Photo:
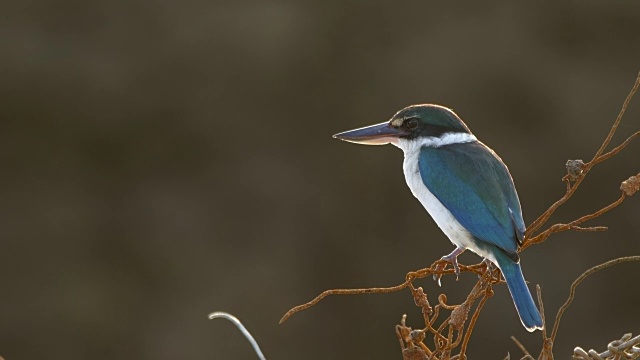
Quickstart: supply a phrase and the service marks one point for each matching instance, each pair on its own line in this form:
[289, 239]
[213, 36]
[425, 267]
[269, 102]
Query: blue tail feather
[529, 314]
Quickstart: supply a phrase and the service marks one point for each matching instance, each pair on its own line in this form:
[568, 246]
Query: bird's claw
[488, 264]
[442, 264]
[437, 275]
[456, 268]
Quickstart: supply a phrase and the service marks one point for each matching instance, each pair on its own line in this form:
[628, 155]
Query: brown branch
[521, 347]
[588, 229]
[575, 284]
[616, 150]
[454, 323]
[541, 304]
[547, 344]
[574, 224]
[399, 333]
[472, 324]
[326, 293]
[434, 269]
[598, 157]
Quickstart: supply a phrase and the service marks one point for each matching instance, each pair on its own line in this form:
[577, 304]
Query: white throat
[409, 146]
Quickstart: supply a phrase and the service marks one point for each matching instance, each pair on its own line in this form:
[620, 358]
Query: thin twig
[547, 344]
[482, 288]
[575, 284]
[410, 277]
[542, 219]
[243, 330]
[625, 348]
[472, 324]
[574, 224]
[617, 149]
[520, 346]
[326, 293]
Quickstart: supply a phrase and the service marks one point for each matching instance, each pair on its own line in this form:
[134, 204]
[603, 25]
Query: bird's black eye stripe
[411, 123]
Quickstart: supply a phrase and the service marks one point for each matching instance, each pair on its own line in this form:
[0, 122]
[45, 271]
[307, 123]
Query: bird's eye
[411, 124]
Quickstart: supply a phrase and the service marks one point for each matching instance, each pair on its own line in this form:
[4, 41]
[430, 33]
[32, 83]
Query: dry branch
[625, 348]
[577, 282]
[234, 320]
[598, 158]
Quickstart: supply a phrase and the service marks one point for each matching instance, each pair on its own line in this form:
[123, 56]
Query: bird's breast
[458, 235]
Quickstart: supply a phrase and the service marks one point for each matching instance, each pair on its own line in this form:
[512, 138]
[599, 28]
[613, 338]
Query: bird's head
[412, 124]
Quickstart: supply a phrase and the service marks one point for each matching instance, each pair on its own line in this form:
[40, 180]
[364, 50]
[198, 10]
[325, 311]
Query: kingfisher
[465, 187]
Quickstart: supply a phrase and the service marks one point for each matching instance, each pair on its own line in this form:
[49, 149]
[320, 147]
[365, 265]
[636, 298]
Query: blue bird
[464, 186]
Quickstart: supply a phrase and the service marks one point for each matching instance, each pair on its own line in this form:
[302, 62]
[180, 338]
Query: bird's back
[469, 192]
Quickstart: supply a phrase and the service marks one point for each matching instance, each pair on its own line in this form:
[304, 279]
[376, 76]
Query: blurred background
[165, 159]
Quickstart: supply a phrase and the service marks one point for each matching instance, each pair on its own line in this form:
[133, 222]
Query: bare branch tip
[234, 320]
[581, 278]
[520, 346]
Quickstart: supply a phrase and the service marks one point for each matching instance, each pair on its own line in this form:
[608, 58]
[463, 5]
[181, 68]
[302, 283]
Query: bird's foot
[442, 264]
[490, 267]
[437, 271]
[488, 264]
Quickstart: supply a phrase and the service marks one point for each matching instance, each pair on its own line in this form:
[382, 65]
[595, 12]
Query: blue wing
[473, 183]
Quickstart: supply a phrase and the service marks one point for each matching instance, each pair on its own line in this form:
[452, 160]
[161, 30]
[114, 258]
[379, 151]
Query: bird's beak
[379, 134]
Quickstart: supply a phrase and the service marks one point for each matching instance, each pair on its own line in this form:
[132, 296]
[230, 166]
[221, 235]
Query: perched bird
[465, 187]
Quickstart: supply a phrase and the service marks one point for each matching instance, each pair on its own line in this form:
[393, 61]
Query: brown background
[164, 159]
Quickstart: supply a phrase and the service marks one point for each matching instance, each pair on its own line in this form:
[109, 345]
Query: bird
[465, 187]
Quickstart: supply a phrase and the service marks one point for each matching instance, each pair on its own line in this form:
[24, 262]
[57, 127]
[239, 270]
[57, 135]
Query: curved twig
[326, 293]
[243, 330]
[574, 224]
[597, 158]
[410, 277]
[575, 284]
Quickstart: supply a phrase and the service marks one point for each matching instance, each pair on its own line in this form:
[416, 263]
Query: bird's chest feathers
[443, 217]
